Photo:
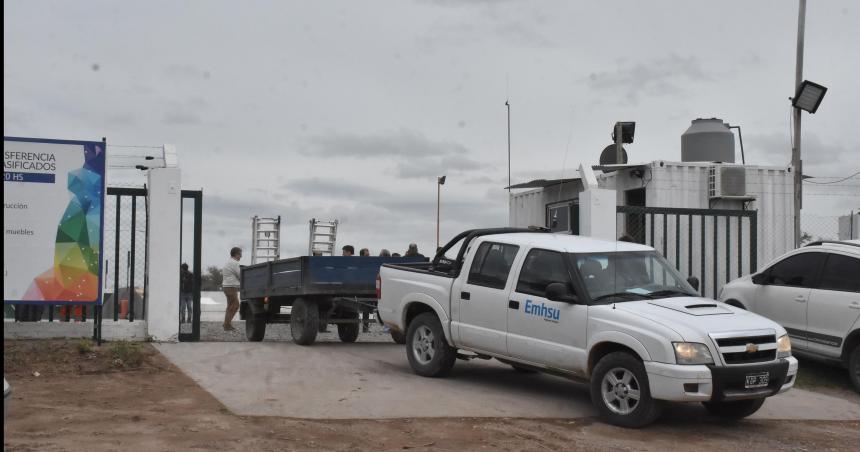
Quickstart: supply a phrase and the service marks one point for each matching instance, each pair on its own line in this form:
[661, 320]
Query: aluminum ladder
[265, 239]
[323, 238]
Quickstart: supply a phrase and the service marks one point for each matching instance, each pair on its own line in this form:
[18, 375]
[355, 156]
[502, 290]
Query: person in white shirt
[230, 285]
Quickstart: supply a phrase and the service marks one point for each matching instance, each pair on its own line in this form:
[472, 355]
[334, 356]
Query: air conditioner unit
[727, 181]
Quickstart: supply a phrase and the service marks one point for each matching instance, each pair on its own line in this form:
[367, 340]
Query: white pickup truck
[612, 313]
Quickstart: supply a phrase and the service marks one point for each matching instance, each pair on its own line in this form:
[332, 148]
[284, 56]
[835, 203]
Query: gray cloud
[332, 189]
[429, 168]
[400, 143]
[186, 71]
[663, 76]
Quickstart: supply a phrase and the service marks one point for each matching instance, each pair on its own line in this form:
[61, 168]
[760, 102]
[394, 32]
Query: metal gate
[195, 198]
[713, 245]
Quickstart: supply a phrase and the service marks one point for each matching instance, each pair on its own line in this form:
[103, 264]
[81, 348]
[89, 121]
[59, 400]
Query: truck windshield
[628, 276]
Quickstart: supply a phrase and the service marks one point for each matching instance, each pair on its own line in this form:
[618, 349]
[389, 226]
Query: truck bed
[335, 276]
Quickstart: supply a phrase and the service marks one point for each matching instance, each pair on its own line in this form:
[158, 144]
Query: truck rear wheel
[736, 409]
[255, 326]
[304, 321]
[620, 391]
[426, 348]
[348, 332]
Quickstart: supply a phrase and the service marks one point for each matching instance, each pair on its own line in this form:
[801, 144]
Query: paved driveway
[331, 380]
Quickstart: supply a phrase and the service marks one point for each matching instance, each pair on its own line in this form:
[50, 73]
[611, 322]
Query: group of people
[412, 251]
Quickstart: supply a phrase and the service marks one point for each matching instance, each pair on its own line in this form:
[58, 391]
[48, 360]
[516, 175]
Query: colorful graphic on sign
[53, 197]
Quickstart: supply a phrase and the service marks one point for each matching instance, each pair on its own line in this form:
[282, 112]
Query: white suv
[814, 292]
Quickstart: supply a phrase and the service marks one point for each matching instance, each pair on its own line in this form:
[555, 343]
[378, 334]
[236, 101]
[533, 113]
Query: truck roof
[566, 242]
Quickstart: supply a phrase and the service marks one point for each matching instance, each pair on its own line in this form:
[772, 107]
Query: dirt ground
[102, 400]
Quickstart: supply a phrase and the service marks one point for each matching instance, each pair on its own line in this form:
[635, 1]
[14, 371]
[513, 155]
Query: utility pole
[796, 161]
[508, 105]
[619, 152]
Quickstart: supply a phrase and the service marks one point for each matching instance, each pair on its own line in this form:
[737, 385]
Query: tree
[211, 280]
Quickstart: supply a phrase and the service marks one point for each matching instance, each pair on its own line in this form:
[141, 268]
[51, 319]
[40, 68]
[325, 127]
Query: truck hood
[694, 318]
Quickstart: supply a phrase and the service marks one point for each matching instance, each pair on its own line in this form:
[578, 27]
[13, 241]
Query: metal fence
[713, 245]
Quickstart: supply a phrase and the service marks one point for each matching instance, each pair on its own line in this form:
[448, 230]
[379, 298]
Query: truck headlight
[692, 353]
[783, 347]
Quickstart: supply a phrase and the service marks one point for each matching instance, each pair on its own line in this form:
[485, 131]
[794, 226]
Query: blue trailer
[320, 290]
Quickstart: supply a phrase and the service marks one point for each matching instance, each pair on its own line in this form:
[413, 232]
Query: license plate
[760, 380]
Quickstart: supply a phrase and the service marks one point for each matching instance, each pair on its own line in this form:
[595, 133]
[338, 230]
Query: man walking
[186, 287]
[230, 285]
[347, 250]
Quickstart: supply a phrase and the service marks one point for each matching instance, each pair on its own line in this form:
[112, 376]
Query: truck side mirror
[693, 281]
[559, 292]
[759, 278]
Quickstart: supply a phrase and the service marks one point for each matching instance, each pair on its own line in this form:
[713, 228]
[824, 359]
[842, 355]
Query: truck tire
[304, 321]
[255, 326]
[736, 409]
[620, 391]
[426, 348]
[854, 367]
[348, 332]
[398, 337]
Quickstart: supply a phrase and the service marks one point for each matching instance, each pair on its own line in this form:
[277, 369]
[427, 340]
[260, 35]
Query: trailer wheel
[304, 321]
[348, 332]
[255, 326]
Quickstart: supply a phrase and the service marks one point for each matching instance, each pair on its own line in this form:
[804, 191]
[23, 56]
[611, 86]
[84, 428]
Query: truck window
[492, 264]
[541, 268]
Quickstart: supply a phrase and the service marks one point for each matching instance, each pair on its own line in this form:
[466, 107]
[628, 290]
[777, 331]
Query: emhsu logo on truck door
[542, 310]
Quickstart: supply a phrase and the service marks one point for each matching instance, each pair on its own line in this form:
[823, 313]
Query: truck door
[541, 331]
[482, 298]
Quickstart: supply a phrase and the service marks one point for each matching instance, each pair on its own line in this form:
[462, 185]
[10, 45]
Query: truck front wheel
[426, 348]
[304, 321]
[854, 367]
[620, 391]
[736, 409]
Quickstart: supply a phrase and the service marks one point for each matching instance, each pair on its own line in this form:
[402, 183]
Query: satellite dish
[607, 157]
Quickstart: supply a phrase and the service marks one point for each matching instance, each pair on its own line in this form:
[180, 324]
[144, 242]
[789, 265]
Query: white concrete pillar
[163, 253]
[597, 211]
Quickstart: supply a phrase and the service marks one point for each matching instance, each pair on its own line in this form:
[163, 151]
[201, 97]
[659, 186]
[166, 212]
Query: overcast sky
[350, 110]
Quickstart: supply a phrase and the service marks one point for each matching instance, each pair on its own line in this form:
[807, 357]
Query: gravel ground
[280, 332]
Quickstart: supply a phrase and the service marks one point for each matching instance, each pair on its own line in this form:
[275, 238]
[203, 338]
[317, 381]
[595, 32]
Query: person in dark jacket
[186, 289]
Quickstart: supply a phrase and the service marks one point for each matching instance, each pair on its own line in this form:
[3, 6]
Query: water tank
[708, 140]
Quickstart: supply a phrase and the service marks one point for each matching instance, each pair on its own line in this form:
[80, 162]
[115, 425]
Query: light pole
[508, 106]
[440, 181]
[807, 96]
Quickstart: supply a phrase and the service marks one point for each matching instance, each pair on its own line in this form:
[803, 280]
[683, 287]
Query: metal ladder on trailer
[323, 238]
[266, 239]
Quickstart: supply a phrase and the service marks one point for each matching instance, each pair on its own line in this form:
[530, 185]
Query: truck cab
[614, 314]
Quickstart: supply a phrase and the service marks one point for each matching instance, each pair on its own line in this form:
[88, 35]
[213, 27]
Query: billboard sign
[53, 220]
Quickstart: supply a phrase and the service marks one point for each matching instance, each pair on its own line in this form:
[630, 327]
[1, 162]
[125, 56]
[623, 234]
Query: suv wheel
[854, 367]
[426, 348]
[620, 391]
[737, 409]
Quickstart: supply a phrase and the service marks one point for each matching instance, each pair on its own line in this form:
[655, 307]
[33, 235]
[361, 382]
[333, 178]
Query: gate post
[164, 199]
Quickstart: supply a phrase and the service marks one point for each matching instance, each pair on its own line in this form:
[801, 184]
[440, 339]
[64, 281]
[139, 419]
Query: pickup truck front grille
[747, 349]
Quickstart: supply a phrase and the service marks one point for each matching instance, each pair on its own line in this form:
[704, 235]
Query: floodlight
[627, 131]
[808, 96]
[441, 180]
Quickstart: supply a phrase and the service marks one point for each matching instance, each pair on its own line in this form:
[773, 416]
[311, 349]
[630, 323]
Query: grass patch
[85, 346]
[126, 354]
[812, 374]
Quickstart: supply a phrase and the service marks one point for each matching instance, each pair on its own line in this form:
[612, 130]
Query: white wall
[162, 311]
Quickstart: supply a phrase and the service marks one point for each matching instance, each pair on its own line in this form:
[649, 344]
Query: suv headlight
[692, 353]
[783, 347]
